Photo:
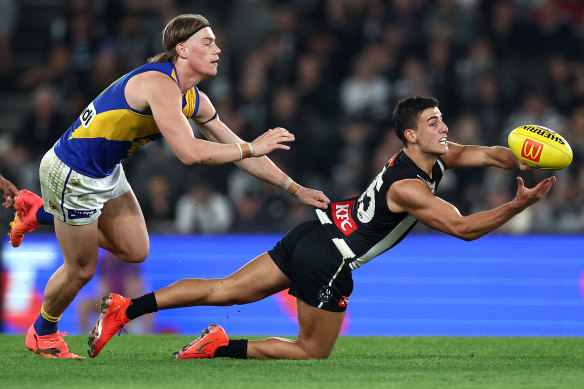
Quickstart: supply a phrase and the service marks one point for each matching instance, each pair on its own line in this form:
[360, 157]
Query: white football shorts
[74, 198]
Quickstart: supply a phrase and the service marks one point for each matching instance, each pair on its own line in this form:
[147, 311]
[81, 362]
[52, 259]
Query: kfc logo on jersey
[343, 301]
[341, 213]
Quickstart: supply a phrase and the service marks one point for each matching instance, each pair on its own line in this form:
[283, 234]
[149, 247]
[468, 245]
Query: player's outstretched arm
[414, 197]
[163, 97]
[9, 192]
[463, 156]
[262, 168]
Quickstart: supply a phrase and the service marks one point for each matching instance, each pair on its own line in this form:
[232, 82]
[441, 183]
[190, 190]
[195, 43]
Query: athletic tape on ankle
[48, 317]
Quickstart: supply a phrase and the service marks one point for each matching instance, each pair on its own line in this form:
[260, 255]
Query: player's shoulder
[162, 67]
[408, 187]
[153, 71]
[406, 193]
[400, 165]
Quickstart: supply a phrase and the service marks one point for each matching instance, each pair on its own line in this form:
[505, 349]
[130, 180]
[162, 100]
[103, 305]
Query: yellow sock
[46, 316]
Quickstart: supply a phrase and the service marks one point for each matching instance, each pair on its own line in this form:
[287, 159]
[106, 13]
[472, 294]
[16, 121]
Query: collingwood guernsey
[362, 228]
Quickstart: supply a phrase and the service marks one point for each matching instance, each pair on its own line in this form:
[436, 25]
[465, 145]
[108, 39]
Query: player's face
[203, 52]
[431, 132]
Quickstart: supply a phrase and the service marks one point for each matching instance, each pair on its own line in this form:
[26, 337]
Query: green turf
[142, 361]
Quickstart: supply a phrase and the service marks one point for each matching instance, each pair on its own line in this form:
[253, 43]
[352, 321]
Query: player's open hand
[271, 140]
[8, 191]
[312, 197]
[528, 196]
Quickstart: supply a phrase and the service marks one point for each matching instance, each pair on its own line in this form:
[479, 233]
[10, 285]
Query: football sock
[46, 324]
[141, 306]
[236, 348]
[44, 217]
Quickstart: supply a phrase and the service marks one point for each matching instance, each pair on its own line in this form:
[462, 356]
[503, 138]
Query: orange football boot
[205, 345]
[27, 205]
[112, 319]
[49, 346]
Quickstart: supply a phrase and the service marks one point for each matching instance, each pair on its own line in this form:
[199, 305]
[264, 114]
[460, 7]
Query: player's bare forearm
[502, 157]
[463, 156]
[443, 216]
[261, 167]
[474, 226]
[264, 169]
[414, 197]
[479, 224]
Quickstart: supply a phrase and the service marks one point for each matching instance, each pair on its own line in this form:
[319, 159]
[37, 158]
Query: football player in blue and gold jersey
[83, 183]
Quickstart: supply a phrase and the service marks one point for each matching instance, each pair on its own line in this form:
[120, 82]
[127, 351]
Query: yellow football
[540, 147]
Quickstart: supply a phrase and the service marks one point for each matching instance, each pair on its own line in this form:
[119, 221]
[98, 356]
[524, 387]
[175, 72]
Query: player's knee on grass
[320, 354]
[314, 350]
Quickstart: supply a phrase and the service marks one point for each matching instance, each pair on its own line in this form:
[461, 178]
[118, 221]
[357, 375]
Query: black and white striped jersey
[364, 227]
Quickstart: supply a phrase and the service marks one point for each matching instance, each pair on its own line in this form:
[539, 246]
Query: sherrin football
[540, 147]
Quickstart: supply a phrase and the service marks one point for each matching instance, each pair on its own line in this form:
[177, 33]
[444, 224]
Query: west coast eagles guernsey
[109, 130]
[362, 228]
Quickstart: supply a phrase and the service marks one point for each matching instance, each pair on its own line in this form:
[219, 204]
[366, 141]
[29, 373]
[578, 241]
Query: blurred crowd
[329, 71]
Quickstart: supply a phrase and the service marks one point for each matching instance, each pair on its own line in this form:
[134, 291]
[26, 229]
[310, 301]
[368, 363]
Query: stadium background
[330, 72]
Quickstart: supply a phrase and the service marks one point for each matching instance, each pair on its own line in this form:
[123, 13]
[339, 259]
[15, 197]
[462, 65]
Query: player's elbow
[464, 232]
[190, 158]
[468, 237]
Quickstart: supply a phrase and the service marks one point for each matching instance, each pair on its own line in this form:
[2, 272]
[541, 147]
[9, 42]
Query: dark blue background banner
[428, 285]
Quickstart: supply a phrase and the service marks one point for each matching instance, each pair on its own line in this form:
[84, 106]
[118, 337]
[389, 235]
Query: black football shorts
[307, 255]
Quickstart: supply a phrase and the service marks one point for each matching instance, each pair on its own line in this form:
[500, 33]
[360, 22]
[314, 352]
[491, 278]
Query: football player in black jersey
[315, 259]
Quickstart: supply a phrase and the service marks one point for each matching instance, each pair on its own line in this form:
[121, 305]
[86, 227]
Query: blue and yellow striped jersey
[109, 130]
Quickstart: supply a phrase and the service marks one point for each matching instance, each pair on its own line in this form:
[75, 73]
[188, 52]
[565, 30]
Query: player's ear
[410, 135]
[181, 50]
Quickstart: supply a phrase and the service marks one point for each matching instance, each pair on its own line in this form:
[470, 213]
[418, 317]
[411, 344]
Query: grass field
[142, 361]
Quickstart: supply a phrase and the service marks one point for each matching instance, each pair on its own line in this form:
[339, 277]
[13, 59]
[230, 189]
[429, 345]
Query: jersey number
[366, 203]
[87, 115]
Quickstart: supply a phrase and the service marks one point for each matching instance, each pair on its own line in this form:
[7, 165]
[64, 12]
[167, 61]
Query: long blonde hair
[176, 31]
